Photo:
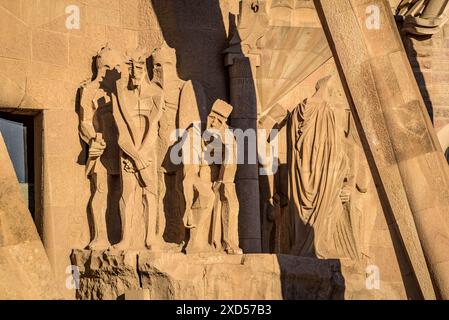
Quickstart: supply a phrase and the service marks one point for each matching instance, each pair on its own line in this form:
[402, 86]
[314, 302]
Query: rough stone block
[105, 275]
[25, 271]
[50, 47]
[15, 36]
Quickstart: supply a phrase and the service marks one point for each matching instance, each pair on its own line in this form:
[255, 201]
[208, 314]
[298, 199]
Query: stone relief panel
[321, 200]
[314, 205]
[128, 119]
[325, 203]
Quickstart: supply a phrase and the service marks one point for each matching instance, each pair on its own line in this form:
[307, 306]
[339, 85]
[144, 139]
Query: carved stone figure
[137, 109]
[226, 207]
[272, 51]
[185, 102]
[121, 111]
[423, 17]
[199, 204]
[98, 130]
[319, 170]
[212, 206]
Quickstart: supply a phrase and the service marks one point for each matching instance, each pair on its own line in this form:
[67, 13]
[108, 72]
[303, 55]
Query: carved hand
[142, 164]
[128, 166]
[139, 165]
[96, 148]
[217, 185]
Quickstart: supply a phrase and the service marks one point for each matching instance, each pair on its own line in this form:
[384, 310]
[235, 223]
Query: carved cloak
[318, 166]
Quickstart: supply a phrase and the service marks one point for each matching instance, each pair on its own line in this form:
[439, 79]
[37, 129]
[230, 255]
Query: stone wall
[429, 57]
[25, 272]
[43, 64]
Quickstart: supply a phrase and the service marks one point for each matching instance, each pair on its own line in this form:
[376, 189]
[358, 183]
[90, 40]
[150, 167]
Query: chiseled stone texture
[251, 276]
[174, 276]
[105, 275]
[43, 64]
[25, 271]
[206, 276]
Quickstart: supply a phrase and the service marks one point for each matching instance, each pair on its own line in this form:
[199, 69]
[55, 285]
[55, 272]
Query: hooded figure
[318, 169]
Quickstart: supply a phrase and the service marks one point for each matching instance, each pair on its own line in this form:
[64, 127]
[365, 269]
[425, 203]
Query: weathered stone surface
[50, 47]
[278, 53]
[387, 87]
[105, 275]
[15, 37]
[206, 276]
[257, 276]
[25, 271]
[157, 276]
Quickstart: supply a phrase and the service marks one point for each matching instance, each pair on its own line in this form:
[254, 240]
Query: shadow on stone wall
[195, 28]
[312, 279]
[413, 55]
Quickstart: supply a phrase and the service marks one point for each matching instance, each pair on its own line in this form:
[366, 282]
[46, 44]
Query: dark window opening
[18, 134]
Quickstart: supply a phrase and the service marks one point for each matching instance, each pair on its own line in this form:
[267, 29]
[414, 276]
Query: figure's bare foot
[121, 246]
[234, 251]
[153, 246]
[149, 245]
[99, 245]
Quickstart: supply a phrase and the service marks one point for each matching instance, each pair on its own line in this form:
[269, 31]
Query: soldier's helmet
[109, 58]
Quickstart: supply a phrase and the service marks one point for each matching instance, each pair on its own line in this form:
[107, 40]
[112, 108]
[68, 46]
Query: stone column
[243, 94]
[397, 131]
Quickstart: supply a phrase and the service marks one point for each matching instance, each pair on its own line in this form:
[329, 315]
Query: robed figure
[318, 169]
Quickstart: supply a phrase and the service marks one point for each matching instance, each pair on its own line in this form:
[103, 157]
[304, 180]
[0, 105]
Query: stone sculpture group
[120, 120]
[120, 112]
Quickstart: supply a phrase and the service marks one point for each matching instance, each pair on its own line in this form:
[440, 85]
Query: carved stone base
[146, 275]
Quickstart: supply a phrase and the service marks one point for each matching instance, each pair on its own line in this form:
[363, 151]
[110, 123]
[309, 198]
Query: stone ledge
[109, 275]
[210, 276]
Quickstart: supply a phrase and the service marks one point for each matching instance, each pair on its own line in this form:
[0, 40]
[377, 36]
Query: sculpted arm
[87, 110]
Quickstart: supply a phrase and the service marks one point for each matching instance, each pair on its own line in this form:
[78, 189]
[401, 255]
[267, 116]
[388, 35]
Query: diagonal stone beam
[399, 138]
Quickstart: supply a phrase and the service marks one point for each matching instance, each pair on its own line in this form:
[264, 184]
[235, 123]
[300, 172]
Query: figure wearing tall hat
[226, 208]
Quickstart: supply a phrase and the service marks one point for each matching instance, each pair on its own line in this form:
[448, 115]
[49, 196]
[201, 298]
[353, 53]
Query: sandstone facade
[335, 187]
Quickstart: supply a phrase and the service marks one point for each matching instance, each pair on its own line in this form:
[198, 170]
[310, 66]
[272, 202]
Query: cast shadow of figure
[199, 63]
[195, 29]
[408, 276]
[293, 240]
